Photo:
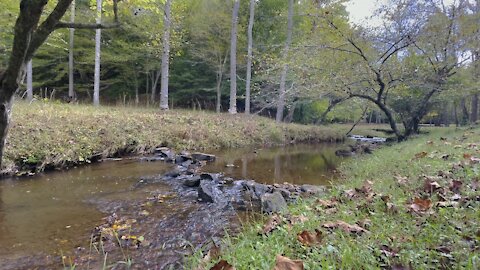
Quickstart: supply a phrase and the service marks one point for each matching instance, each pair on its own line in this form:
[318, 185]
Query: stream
[49, 216]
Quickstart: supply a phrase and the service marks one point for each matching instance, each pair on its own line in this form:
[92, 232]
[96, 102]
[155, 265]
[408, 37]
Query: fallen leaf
[297, 219]
[351, 193]
[467, 156]
[388, 251]
[421, 205]
[391, 208]
[272, 223]
[222, 265]
[366, 188]
[284, 263]
[401, 180]
[455, 186]
[310, 238]
[430, 185]
[420, 155]
[429, 142]
[327, 203]
[345, 227]
[474, 160]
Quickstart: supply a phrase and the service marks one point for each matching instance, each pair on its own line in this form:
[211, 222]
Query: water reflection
[298, 164]
[48, 213]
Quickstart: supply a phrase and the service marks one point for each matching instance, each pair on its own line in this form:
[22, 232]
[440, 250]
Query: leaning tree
[29, 34]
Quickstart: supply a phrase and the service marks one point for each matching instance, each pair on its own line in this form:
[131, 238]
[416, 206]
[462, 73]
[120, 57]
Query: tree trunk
[29, 81]
[98, 38]
[249, 56]
[71, 91]
[474, 112]
[154, 84]
[463, 107]
[283, 78]
[165, 56]
[233, 59]
[220, 71]
[137, 98]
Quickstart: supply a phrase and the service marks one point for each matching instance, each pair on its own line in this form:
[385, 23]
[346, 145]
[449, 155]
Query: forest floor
[47, 135]
[413, 205]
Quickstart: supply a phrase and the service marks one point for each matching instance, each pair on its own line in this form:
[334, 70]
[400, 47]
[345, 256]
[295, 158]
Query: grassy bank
[46, 135]
[414, 205]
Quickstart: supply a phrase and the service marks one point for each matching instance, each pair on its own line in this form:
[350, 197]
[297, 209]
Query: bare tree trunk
[165, 56]
[233, 59]
[474, 112]
[220, 71]
[463, 107]
[71, 91]
[98, 39]
[155, 78]
[283, 78]
[137, 98]
[249, 56]
[29, 81]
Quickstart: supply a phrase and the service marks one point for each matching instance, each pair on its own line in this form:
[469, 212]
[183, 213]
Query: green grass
[50, 135]
[438, 238]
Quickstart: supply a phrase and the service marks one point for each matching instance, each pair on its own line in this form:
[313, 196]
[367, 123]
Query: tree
[98, 40]
[29, 35]
[283, 78]
[165, 56]
[71, 90]
[233, 59]
[249, 56]
[29, 80]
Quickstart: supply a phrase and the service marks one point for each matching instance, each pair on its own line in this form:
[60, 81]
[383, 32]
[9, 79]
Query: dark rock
[210, 176]
[209, 192]
[187, 163]
[165, 152]
[203, 156]
[152, 159]
[179, 159]
[312, 189]
[285, 193]
[193, 181]
[173, 173]
[273, 203]
[261, 189]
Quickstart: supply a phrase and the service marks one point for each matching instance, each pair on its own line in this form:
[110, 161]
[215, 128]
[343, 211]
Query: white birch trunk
[98, 38]
[233, 59]
[29, 81]
[165, 56]
[249, 56]
[71, 91]
[283, 78]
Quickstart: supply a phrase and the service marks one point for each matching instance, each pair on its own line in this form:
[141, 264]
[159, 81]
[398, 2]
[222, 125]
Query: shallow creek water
[50, 214]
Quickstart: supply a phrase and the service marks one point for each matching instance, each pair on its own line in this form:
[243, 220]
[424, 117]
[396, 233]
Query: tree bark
[283, 78]
[233, 59]
[474, 112]
[98, 38]
[165, 56]
[154, 84]
[221, 68]
[29, 81]
[251, 21]
[71, 90]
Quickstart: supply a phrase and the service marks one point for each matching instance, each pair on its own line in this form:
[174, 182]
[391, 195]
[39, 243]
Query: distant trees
[165, 55]
[233, 58]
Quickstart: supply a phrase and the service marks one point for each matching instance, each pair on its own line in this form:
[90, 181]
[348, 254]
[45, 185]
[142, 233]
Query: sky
[360, 10]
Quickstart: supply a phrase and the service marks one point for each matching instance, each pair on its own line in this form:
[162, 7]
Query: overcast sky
[360, 10]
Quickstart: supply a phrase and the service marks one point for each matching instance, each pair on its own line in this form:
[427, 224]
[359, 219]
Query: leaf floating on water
[284, 263]
[310, 238]
[222, 265]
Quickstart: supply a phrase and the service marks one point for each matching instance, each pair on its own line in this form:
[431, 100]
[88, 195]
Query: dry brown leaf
[430, 185]
[421, 155]
[401, 180]
[420, 205]
[297, 219]
[272, 223]
[429, 142]
[284, 263]
[222, 265]
[455, 186]
[345, 227]
[310, 238]
[467, 156]
[391, 208]
[327, 203]
[351, 193]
